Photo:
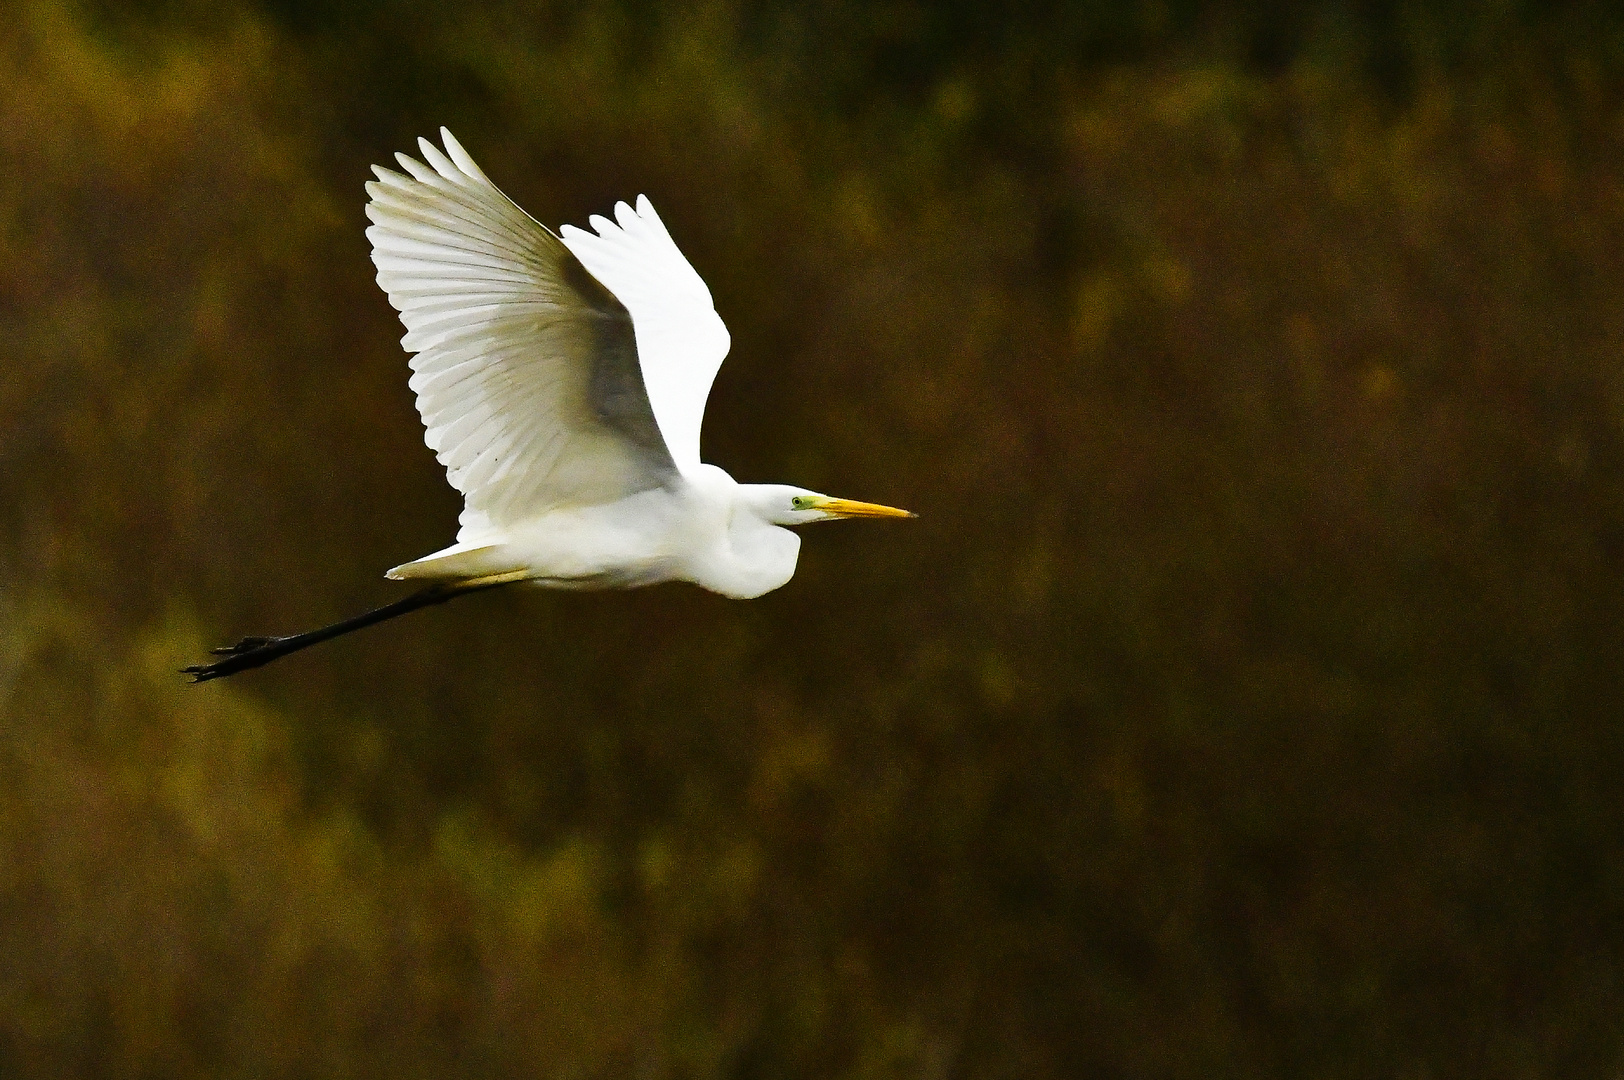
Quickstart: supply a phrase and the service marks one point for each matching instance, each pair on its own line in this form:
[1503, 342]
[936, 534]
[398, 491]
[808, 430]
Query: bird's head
[781, 504]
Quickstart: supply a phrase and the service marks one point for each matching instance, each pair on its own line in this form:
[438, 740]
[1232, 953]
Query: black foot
[250, 652]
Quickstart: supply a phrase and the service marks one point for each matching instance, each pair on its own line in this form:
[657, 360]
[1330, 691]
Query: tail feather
[458, 563]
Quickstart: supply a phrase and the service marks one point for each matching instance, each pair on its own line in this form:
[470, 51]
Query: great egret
[562, 379]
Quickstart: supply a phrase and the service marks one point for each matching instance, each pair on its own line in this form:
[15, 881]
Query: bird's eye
[800, 502]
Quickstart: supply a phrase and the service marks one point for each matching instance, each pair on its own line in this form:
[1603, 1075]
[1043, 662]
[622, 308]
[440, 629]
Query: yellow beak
[848, 508]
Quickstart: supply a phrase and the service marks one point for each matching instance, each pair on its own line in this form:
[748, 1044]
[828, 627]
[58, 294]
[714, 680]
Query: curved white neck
[746, 555]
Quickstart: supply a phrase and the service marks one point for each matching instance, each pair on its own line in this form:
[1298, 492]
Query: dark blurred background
[1244, 702]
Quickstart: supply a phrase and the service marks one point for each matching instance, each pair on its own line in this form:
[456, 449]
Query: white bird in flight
[562, 380]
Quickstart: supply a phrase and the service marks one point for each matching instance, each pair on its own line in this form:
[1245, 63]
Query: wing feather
[681, 341]
[526, 368]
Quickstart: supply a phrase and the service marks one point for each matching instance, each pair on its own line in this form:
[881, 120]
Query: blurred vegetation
[1242, 704]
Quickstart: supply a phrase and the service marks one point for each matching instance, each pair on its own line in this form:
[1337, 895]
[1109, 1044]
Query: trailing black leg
[253, 652]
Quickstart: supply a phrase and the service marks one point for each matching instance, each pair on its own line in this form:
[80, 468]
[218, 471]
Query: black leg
[253, 652]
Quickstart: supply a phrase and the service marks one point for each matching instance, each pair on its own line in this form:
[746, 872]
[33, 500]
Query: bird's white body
[708, 530]
[562, 381]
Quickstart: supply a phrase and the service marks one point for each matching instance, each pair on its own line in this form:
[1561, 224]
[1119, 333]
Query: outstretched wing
[526, 368]
[680, 338]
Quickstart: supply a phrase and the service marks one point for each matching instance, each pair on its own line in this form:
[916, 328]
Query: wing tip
[464, 160]
[440, 163]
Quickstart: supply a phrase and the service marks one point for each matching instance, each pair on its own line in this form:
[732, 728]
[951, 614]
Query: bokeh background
[1244, 703]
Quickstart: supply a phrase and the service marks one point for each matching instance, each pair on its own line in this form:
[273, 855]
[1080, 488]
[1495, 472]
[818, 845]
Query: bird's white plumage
[562, 382]
[525, 401]
[680, 338]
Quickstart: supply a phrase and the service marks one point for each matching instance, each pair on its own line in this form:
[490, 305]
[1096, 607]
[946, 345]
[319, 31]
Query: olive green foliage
[1243, 702]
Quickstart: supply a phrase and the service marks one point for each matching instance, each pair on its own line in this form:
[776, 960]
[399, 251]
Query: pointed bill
[850, 508]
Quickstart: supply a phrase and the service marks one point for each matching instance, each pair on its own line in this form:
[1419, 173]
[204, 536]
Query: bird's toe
[247, 644]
